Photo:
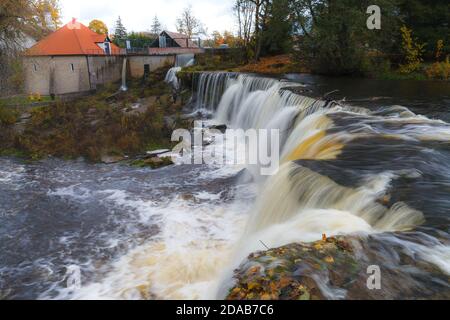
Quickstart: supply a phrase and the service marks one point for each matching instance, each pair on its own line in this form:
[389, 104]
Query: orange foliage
[272, 65]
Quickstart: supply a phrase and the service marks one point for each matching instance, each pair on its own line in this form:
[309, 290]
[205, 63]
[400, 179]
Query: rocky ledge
[338, 268]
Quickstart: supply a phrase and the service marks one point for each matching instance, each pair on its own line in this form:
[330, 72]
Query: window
[107, 48]
[72, 67]
[35, 67]
[162, 41]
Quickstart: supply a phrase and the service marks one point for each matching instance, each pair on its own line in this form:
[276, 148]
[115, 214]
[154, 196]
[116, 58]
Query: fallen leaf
[329, 259]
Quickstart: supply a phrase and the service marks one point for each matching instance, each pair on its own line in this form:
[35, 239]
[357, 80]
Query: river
[377, 162]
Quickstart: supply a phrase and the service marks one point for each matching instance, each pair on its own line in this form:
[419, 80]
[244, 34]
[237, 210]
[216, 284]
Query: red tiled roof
[181, 39]
[72, 39]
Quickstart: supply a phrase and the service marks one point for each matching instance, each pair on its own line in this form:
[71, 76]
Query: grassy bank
[107, 124]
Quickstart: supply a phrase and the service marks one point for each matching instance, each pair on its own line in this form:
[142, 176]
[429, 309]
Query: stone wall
[137, 63]
[63, 75]
[69, 74]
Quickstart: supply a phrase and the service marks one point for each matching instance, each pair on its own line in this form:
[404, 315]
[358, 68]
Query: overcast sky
[137, 15]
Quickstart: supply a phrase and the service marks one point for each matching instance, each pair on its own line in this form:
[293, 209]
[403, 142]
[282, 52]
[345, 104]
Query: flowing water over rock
[346, 168]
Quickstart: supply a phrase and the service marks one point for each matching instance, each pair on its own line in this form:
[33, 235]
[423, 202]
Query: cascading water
[338, 166]
[179, 232]
[124, 87]
[182, 60]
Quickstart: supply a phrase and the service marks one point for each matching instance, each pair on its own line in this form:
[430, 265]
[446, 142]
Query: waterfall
[315, 131]
[124, 76]
[338, 163]
[171, 77]
[210, 87]
[181, 61]
[184, 60]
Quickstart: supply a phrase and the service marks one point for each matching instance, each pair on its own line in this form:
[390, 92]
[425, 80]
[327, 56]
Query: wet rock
[156, 153]
[153, 162]
[94, 123]
[25, 116]
[170, 122]
[221, 127]
[337, 268]
[244, 176]
[110, 159]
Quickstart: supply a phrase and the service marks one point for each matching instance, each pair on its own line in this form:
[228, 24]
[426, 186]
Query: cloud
[137, 15]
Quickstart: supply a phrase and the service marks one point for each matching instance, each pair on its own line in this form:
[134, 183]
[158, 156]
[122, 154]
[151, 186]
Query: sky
[137, 15]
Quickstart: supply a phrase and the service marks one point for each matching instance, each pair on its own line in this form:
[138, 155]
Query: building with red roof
[74, 39]
[72, 59]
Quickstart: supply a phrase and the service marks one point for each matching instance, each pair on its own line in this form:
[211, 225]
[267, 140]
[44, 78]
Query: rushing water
[367, 166]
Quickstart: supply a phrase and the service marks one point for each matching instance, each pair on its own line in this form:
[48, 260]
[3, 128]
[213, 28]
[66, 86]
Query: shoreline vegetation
[108, 126]
[287, 63]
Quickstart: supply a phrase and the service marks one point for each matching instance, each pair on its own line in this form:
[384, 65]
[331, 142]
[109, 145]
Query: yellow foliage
[439, 47]
[413, 51]
[439, 70]
[329, 259]
[98, 26]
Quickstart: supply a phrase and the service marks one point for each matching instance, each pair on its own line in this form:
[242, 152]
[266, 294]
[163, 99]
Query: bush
[439, 70]
[8, 116]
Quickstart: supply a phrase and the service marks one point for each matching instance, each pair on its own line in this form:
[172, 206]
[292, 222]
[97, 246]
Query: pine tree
[156, 26]
[120, 33]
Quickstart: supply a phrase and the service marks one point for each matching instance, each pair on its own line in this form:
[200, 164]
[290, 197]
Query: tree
[47, 13]
[333, 38]
[188, 24]
[218, 38]
[277, 34]
[244, 11]
[156, 26]
[140, 39]
[412, 51]
[429, 20]
[261, 13]
[98, 26]
[120, 33]
[19, 21]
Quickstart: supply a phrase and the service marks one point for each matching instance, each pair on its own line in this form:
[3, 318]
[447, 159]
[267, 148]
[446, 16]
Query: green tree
[140, 40]
[120, 33]
[156, 26]
[333, 38]
[430, 21]
[277, 34]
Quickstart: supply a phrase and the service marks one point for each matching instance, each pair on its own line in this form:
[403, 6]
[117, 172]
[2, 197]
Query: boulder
[109, 159]
[337, 268]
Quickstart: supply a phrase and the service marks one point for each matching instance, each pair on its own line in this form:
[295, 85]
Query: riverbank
[285, 63]
[108, 126]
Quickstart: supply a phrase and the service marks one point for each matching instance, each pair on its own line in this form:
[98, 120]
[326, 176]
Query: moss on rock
[336, 268]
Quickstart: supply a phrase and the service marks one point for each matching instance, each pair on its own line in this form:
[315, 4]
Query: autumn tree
[20, 21]
[47, 13]
[188, 24]
[98, 26]
[156, 26]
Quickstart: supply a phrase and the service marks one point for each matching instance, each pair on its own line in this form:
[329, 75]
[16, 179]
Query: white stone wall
[72, 74]
[136, 64]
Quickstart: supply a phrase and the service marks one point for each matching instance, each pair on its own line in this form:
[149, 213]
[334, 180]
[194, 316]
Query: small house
[72, 59]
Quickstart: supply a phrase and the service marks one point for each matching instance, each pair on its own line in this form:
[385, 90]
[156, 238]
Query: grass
[280, 64]
[97, 125]
[22, 100]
